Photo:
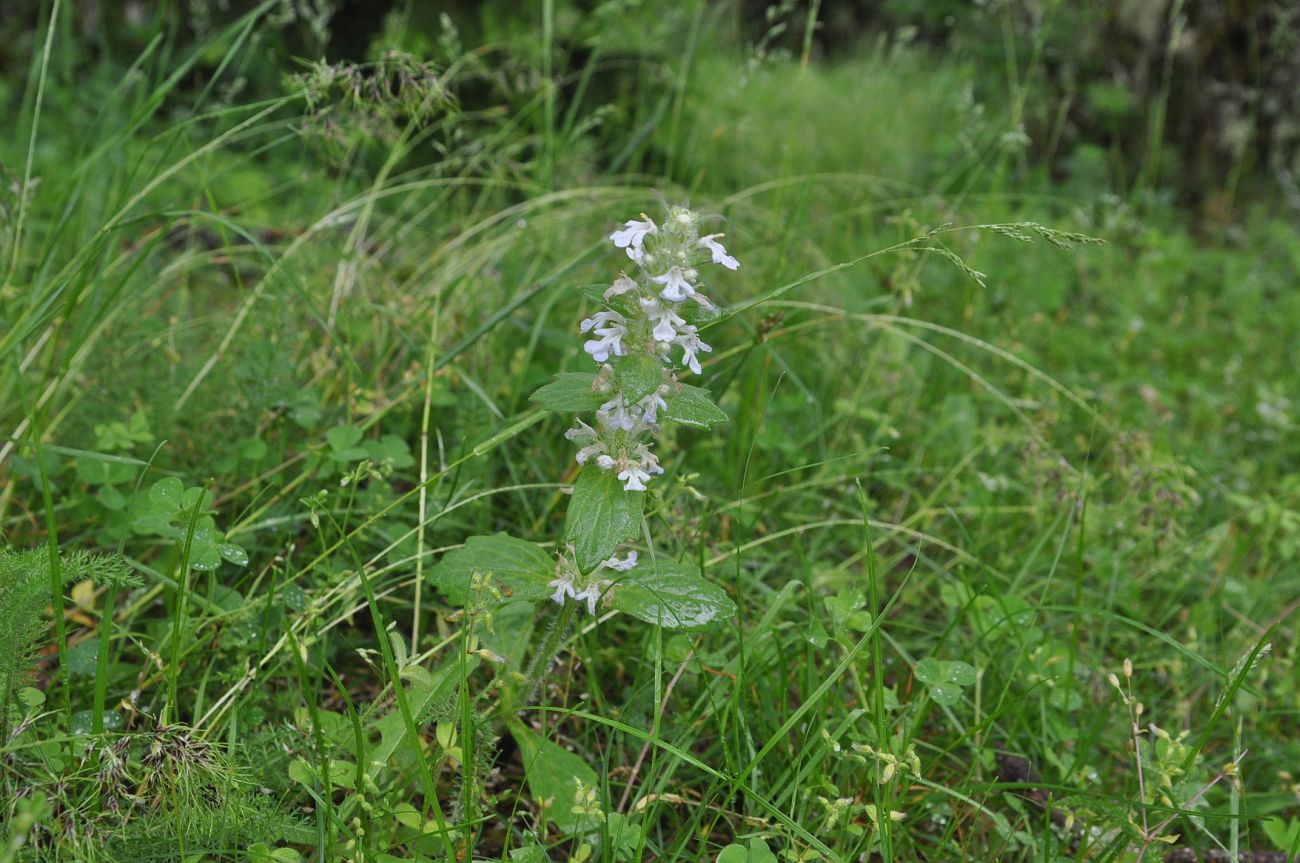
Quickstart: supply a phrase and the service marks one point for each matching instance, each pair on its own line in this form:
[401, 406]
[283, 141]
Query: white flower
[563, 586]
[614, 414]
[648, 459]
[720, 255]
[676, 285]
[621, 565]
[650, 406]
[691, 346]
[632, 236]
[592, 445]
[633, 477]
[663, 317]
[621, 286]
[610, 327]
[592, 595]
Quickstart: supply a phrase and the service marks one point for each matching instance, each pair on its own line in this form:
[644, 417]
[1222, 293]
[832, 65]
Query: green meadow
[977, 532]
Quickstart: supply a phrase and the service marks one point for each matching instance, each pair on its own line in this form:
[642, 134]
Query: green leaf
[253, 449]
[233, 553]
[756, 852]
[166, 494]
[553, 774]
[199, 497]
[961, 673]
[98, 472]
[673, 595]
[516, 565]
[638, 376]
[392, 449]
[81, 658]
[692, 406]
[570, 391]
[343, 774]
[601, 516]
[945, 680]
[929, 671]
[204, 555]
[343, 442]
[1284, 835]
[945, 694]
[110, 498]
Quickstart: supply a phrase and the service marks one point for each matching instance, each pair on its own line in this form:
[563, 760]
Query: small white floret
[720, 255]
[632, 236]
[677, 286]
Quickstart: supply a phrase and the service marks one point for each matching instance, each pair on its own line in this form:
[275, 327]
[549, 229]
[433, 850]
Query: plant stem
[550, 647]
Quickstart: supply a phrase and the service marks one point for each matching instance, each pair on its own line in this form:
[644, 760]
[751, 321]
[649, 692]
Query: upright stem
[550, 647]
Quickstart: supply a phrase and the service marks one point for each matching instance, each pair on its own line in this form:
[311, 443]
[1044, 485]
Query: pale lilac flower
[691, 346]
[614, 414]
[633, 477]
[720, 255]
[621, 565]
[632, 236]
[592, 593]
[621, 286]
[648, 459]
[592, 445]
[664, 318]
[563, 587]
[650, 406]
[676, 285]
[611, 328]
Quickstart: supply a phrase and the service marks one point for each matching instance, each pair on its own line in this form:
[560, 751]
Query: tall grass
[965, 476]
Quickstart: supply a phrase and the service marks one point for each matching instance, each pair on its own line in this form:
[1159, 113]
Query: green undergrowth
[270, 358]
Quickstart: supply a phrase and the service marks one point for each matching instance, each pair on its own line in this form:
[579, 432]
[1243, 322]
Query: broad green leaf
[233, 553]
[253, 449]
[111, 498]
[638, 376]
[945, 680]
[166, 494]
[391, 449]
[692, 406]
[419, 695]
[515, 565]
[99, 472]
[673, 595]
[204, 554]
[553, 774]
[1285, 835]
[343, 774]
[929, 671]
[601, 516]
[260, 852]
[198, 496]
[570, 391]
[756, 852]
[343, 441]
[961, 673]
[81, 658]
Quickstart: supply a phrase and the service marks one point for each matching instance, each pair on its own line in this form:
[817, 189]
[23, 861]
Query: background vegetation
[279, 279]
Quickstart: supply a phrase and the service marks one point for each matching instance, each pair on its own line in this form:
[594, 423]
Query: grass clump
[980, 545]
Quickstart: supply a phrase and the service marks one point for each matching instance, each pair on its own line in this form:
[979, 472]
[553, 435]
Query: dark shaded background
[1213, 85]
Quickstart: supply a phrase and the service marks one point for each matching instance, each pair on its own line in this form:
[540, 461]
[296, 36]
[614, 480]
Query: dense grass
[950, 440]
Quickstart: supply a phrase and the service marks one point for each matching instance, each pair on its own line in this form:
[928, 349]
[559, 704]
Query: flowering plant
[644, 340]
